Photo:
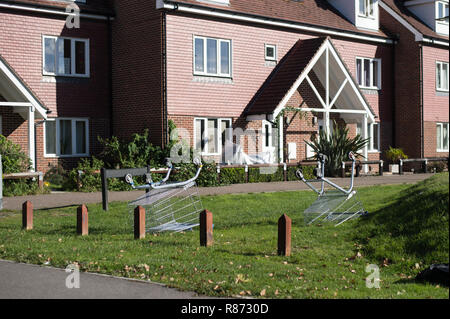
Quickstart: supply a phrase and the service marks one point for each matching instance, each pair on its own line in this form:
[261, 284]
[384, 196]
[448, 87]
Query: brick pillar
[139, 222]
[206, 229]
[82, 221]
[27, 215]
[284, 236]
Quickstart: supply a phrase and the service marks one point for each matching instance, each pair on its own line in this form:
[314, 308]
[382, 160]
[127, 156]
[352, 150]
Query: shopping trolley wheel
[129, 179]
[299, 174]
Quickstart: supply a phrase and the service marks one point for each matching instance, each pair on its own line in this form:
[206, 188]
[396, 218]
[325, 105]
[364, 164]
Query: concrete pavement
[22, 281]
[73, 199]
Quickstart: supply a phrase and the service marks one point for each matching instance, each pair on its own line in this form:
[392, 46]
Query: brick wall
[137, 69]
[21, 46]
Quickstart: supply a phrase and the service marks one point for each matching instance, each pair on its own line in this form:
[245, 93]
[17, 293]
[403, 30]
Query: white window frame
[269, 58]
[439, 64]
[366, 13]
[370, 130]
[74, 137]
[218, 134]
[441, 125]
[373, 86]
[445, 4]
[266, 148]
[219, 60]
[73, 59]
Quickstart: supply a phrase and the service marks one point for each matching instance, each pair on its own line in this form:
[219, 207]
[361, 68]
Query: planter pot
[394, 168]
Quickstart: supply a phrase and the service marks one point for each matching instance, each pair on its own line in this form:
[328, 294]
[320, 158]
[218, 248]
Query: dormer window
[442, 12]
[366, 8]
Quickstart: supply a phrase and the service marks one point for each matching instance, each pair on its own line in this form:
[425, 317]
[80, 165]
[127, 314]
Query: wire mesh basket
[169, 206]
[336, 205]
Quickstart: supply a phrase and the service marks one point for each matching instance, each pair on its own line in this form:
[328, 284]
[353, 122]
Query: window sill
[374, 152]
[212, 79]
[442, 151]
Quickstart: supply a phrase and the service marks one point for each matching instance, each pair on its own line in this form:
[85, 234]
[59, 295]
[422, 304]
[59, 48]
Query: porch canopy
[315, 64]
[15, 93]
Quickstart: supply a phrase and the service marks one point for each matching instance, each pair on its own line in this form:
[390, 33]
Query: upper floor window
[366, 8]
[270, 52]
[442, 12]
[212, 57]
[65, 56]
[368, 72]
[442, 78]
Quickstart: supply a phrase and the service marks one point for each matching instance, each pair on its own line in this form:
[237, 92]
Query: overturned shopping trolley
[169, 206]
[336, 205]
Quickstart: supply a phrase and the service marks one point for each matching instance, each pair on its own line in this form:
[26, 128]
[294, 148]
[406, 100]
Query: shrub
[14, 160]
[207, 178]
[230, 176]
[395, 154]
[336, 147]
[57, 176]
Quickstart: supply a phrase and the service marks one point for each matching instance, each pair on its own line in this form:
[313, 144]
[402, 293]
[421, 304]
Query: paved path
[71, 199]
[21, 281]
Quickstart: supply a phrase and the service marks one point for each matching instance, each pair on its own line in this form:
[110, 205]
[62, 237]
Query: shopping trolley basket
[169, 206]
[337, 204]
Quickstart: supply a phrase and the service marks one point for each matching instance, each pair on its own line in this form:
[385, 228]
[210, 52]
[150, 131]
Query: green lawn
[405, 232]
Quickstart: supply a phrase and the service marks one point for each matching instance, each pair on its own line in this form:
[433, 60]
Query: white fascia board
[416, 2]
[418, 35]
[19, 85]
[161, 4]
[53, 11]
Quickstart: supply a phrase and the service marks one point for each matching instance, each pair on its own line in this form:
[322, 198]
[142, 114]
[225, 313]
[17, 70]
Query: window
[267, 136]
[368, 73]
[271, 52]
[442, 137]
[442, 12]
[65, 56]
[212, 57]
[366, 8]
[373, 129]
[442, 78]
[66, 137]
[210, 135]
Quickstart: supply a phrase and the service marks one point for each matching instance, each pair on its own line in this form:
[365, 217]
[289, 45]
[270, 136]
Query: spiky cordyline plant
[336, 147]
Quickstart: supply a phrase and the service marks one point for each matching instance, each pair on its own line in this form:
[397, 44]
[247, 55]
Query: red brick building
[280, 69]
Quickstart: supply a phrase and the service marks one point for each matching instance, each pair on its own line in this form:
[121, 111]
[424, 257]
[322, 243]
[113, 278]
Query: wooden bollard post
[82, 221]
[27, 215]
[284, 236]
[206, 228]
[139, 222]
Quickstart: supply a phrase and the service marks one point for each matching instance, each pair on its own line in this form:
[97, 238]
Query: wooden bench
[39, 176]
[424, 162]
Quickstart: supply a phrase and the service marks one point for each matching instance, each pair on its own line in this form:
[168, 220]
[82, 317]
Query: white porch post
[31, 138]
[280, 134]
[366, 135]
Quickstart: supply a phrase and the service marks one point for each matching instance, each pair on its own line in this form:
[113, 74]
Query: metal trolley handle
[320, 173]
[163, 183]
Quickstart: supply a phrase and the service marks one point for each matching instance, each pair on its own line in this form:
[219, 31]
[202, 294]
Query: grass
[404, 233]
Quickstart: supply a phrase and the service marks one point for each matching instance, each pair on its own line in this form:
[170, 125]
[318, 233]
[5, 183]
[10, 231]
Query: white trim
[440, 89]
[370, 128]
[414, 2]
[16, 104]
[378, 85]
[313, 87]
[31, 138]
[51, 11]
[343, 111]
[57, 137]
[72, 54]
[443, 150]
[218, 134]
[160, 4]
[275, 51]
[218, 57]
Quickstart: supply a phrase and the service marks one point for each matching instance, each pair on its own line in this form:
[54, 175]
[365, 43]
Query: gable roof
[317, 13]
[289, 74]
[24, 91]
[398, 7]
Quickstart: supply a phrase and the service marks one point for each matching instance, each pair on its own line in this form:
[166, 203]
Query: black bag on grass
[436, 274]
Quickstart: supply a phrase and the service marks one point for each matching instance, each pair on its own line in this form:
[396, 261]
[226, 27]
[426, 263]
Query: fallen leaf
[262, 293]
